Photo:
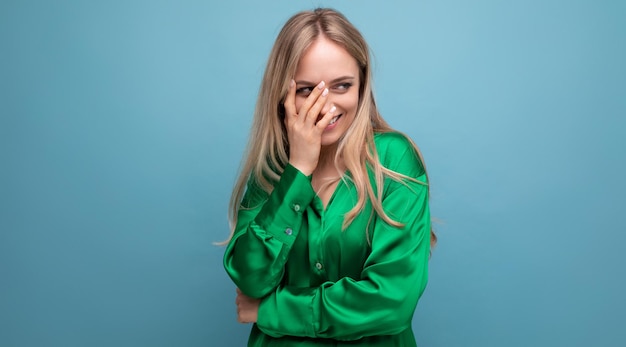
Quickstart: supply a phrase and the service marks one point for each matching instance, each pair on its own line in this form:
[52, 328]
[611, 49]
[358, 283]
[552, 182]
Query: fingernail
[332, 109]
[321, 85]
[292, 83]
[325, 92]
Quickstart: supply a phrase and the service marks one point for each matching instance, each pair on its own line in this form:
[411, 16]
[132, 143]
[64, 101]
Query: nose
[327, 105]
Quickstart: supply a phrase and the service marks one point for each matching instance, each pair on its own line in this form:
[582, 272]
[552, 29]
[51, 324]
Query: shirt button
[318, 266]
[288, 231]
[296, 207]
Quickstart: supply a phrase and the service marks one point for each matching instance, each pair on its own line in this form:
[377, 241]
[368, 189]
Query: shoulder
[398, 153]
[391, 142]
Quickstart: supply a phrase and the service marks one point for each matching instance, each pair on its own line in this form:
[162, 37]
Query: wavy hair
[268, 147]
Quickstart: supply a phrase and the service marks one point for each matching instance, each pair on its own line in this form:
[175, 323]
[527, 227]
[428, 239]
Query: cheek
[349, 101]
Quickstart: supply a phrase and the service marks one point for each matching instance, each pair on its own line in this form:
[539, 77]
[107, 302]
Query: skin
[310, 105]
[336, 74]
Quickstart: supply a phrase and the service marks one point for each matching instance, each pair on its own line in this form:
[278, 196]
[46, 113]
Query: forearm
[264, 234]
[383, 298]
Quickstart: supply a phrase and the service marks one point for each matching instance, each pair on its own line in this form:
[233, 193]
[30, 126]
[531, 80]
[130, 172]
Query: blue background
[123, 124]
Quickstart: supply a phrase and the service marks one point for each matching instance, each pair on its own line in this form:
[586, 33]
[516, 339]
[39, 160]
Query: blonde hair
[268, 148]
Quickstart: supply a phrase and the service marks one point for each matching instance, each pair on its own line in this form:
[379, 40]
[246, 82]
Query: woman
[331, 226]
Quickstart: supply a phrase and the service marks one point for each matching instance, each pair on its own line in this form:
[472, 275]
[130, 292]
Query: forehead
[325, 60]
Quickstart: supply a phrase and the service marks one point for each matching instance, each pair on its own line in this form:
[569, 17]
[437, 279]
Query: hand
[247, 308]
[304, 131]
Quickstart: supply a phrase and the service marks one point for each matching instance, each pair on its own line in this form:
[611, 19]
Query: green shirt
[321, 286]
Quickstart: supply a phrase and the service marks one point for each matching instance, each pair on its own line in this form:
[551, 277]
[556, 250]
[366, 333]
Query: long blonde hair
[268, 148]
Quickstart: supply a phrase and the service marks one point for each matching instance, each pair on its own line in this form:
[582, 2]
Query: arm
[267, 227]
[392, 280]
[256, 255]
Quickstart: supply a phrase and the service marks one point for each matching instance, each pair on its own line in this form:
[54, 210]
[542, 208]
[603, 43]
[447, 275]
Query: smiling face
[326, 61]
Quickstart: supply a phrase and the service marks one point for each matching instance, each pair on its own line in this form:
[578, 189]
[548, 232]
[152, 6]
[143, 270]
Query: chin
[333, 137]
[328, 143]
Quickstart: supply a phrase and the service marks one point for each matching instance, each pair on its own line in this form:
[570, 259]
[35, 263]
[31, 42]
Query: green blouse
[321, 286]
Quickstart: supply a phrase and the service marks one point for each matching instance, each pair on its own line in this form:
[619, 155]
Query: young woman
[331, 226]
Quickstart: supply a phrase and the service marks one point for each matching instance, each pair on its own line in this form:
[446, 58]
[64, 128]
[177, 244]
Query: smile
[332, 121]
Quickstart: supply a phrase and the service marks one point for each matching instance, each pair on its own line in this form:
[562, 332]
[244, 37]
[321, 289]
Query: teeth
[332, 121]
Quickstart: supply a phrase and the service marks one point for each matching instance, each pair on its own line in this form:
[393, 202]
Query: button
[288, 231]
[318, 265]
[296, 207]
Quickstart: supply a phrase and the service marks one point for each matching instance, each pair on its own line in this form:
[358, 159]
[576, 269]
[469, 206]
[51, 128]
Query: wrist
[306, 170]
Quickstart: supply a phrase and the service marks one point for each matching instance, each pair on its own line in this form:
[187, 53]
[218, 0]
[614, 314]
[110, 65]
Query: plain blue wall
[123, 123]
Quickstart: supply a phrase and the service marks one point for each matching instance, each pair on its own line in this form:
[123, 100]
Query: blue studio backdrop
[123, 124]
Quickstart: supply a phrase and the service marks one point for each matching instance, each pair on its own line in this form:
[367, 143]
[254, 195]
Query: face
[326, 61]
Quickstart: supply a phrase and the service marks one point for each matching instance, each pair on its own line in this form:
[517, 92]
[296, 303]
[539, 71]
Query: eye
[304, 91]
[342, 87]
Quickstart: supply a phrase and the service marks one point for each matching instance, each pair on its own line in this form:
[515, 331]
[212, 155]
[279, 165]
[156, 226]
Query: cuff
[281, 216]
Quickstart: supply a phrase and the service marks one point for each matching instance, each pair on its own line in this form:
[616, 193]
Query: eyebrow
[336, 80]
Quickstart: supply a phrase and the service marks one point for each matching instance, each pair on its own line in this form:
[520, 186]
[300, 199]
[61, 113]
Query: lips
[332, 121]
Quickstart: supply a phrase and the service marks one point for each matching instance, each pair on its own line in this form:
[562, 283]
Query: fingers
[240, 310]
[247, 308]
[314, 103]
[290, 101]
[239, 298]
[311, 107]
[313, 115]
[323, 123]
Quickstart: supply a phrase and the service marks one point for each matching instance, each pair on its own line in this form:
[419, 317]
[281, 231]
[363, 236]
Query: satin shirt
[320, 285]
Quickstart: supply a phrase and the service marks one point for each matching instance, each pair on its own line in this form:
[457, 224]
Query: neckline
[319, 204]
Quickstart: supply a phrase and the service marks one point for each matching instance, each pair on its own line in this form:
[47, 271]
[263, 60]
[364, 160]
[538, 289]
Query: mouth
[332, 121]
[335, 118]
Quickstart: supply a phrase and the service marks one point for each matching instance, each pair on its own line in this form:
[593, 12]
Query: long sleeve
[266, 229]
[394, 276]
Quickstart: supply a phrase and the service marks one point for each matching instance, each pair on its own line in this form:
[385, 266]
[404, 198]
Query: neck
[327, 158]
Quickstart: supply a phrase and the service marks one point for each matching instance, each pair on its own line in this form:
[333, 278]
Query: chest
[324, 250]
